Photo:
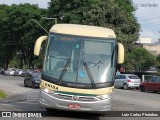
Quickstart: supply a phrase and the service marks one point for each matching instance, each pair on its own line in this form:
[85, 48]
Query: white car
[127, 81]
[10, 71]
[20, 72]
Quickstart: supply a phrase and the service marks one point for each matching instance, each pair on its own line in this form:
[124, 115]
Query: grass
[2, 94]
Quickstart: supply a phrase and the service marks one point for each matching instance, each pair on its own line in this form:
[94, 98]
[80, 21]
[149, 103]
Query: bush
[2, 94]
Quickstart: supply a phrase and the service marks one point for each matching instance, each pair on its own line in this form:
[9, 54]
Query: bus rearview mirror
[38, 44]
[120, 53]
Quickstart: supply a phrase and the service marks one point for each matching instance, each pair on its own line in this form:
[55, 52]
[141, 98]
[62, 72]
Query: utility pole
[39, 25]
[55, 19]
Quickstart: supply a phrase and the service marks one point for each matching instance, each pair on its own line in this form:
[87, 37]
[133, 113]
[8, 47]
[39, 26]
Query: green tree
[19, 32]
[127, 5]
[69, 11]
[106, 13]
[139, 60]
[158, 61]
[109, 14]
[6, 45]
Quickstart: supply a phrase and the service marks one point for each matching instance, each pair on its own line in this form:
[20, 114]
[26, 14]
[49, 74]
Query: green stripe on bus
[71, 93]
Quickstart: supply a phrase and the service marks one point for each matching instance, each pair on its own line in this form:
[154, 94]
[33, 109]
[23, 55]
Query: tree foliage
[158, 61]
[18, 32]
[115, 14]
[127, 5]
[139, 60]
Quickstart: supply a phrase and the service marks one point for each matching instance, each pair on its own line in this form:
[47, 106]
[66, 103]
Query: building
[153, 48]
[147, 44]
[145, 40]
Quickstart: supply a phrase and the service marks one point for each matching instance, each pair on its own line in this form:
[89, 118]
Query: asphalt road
[123, 100]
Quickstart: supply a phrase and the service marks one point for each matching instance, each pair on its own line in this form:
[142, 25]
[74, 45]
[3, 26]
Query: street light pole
[55, 19]
[39, 25]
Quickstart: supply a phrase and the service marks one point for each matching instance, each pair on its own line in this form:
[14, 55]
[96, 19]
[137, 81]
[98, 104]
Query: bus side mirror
[120, 53]
[38, 44]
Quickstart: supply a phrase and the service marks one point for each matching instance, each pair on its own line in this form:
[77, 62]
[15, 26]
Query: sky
[41, 3]
[147, 14]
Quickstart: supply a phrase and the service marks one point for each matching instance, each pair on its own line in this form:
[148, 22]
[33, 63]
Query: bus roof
[83, 30]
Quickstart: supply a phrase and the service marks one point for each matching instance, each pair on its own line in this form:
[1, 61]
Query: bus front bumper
[48, 101]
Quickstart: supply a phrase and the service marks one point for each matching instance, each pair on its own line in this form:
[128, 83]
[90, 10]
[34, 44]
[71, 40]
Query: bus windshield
[80, 60]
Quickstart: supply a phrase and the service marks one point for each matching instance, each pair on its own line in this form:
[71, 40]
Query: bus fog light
[102, 97]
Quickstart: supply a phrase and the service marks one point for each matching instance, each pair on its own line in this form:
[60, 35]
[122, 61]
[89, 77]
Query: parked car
[16, 72]
[37, 70]
[127, 81]
[153, 84]
[25, 72]
[6, 72]
[2, 70]
[10, 71]
[20, 72]
[32, 79]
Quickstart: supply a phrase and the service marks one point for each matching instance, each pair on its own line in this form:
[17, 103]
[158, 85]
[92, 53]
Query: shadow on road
[153, 92]
[71, 115]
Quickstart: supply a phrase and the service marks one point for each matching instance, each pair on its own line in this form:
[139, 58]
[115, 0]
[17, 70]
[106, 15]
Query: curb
[14, 98]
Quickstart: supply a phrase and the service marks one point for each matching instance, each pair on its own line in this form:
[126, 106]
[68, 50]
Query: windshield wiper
[89, 74]
[64, 70]
[59, 57]
[113, 52]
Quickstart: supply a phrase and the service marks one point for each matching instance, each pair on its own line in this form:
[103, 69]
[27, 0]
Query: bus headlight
[106, 96]
[46, 90]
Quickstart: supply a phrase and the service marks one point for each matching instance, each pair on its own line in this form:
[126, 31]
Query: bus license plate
[74, 106]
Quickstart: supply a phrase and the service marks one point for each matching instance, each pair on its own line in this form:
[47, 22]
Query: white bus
[79, 67]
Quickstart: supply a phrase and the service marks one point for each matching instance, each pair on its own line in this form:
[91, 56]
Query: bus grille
[71, 97]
